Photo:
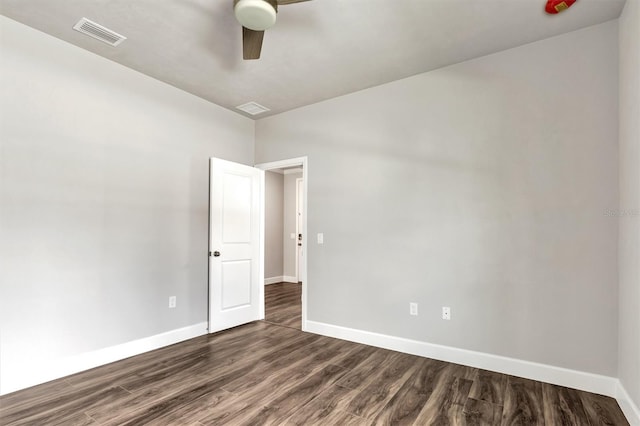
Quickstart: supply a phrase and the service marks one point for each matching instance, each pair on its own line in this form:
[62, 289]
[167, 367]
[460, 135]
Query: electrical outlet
[413, 308]
[172, 301]
[446, 313]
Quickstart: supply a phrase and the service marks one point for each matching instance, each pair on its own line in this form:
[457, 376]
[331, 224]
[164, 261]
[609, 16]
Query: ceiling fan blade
[285, 2]
[251, 43]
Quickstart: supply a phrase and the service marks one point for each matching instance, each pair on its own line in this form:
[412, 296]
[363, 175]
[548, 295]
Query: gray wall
[481, 186]
[629, 210]
[273, 237]
[104, 200]
[462, 187]
[290, 246]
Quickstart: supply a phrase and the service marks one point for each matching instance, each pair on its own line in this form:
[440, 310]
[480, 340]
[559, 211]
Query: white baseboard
[20, 377]
[590, 382]
[629, 408]
[273, 280]
[281, 279]
[31, 375]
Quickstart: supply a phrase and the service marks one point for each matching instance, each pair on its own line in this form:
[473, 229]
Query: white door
[299, 225]
[235, 270]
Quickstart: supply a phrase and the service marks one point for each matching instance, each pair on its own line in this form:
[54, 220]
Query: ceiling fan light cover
[257, 15]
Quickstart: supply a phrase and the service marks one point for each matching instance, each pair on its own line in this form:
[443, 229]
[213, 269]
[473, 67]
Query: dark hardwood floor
[264, 373]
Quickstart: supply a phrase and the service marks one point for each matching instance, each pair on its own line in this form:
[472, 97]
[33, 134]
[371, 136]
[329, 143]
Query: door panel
[235, 293]
[236, 211]
[236, 284]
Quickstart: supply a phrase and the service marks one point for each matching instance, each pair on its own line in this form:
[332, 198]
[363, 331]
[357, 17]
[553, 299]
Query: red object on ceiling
[557, 6]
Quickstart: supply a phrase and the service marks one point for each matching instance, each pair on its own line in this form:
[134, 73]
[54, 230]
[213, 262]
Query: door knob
[216, 254]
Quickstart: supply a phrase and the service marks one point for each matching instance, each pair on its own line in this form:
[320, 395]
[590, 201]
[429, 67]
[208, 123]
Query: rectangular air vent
[252, 108]
[99, 32]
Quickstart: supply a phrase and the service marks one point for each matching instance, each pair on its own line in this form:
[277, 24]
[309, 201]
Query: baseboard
[281, 279]
[16, 378]
[629, 408]
[273, 280]
[603, 385]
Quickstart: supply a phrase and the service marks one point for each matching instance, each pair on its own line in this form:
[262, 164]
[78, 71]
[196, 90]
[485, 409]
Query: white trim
[299, 161]
[629, 408]
[31, 374]
[284, 171]
[280, 279]
[261, 247]
[292, 171]
[590, 382]
[299, 182]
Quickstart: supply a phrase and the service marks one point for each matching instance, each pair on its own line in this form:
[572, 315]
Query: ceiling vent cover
[252, 108]
[99, 32]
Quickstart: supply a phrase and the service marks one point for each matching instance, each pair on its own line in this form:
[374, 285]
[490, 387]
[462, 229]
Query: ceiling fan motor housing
[257, 15]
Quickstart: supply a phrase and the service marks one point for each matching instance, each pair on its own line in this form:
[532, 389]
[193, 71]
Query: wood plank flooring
[282, 304]
[264, 373]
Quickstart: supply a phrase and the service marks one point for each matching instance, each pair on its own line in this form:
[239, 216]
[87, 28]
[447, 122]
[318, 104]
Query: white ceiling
[317, 50]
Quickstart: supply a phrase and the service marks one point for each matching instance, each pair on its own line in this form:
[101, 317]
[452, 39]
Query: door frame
[299, 182]
[292, 162]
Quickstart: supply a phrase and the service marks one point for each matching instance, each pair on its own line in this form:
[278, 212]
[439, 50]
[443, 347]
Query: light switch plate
[446, 313]
[413, 308]
[320, 238]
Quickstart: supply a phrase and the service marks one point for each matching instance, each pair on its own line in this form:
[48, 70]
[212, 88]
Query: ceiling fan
[256, 16]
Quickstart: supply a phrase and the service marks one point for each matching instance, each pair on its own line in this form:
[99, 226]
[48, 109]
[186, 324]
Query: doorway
[287, 292]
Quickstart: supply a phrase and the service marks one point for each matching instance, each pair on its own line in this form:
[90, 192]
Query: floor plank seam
[126, 390]
[281, 325]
